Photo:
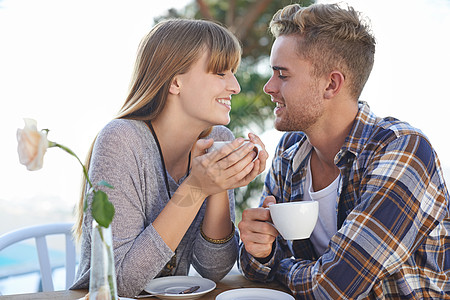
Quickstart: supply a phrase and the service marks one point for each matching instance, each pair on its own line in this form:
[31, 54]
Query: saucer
[254, 294]
[170, 286]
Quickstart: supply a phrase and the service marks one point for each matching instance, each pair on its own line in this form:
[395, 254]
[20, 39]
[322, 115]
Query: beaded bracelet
[218, 241]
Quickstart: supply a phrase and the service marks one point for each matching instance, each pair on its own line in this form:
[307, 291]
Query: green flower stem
[110, 277]
[102, 209]
[53, 144]
[102, 212]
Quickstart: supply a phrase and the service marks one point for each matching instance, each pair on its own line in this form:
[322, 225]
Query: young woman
[174, 201]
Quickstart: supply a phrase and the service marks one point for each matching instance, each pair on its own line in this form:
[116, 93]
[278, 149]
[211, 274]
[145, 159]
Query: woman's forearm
[175, 219]
[217, 221]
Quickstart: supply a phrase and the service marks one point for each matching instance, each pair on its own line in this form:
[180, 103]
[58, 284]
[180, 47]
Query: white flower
[32, 145]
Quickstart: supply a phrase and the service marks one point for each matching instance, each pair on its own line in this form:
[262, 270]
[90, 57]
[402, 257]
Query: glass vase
[102, 282]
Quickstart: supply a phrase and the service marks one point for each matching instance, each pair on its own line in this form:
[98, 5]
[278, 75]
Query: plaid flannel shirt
[392, 218]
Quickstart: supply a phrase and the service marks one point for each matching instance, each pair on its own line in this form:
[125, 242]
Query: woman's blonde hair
[169, 49]
[330, 36]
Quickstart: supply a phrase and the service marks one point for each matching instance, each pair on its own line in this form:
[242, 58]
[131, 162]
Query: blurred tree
[252, 108]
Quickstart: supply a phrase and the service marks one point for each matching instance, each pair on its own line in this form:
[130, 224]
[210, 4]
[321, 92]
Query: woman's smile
[225, 101]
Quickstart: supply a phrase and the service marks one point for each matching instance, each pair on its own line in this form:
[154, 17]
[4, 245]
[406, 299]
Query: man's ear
[335, 83]
[175, 86]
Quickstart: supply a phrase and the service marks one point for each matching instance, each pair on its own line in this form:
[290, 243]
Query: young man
[383, 227]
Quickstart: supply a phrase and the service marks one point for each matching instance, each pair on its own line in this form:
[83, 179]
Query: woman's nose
[234, 86]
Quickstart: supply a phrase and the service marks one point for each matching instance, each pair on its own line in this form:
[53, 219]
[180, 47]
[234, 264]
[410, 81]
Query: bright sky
[410, 74]
[67, 64]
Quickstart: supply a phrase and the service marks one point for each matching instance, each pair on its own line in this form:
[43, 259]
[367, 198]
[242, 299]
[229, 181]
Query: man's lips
[280, 105]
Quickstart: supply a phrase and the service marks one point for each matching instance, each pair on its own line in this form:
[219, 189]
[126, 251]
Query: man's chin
[281, 126]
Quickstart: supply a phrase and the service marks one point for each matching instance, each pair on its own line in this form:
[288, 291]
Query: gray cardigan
[126, 156]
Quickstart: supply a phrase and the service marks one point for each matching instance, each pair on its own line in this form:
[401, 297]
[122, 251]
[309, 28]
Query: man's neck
[327, 139]
[329, 135]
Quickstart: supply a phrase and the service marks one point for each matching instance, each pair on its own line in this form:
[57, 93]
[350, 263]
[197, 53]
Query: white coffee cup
[295, 220]
[219, 144]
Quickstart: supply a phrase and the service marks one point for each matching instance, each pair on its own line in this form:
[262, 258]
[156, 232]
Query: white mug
[295, 220]
[219, 144]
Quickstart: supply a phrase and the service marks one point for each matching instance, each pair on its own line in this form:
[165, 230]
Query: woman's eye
[221, 74]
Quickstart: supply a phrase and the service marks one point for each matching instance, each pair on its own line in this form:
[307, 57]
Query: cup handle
[257, 149]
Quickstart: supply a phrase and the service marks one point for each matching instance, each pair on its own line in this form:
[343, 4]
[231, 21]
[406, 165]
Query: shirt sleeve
[214, 261]
[139, 251]
[251, 268]
[401, 200]
[211, 260]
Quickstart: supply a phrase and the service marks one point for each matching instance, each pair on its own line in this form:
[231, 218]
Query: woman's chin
[225, 122]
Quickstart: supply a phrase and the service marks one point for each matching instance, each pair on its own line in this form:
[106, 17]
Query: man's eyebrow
[277, 68]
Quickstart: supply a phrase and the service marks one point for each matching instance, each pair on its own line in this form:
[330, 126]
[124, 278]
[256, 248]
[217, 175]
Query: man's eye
[280, 75]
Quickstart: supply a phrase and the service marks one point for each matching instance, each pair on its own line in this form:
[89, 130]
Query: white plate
[120, 298]
[169, 287]
[254, 294]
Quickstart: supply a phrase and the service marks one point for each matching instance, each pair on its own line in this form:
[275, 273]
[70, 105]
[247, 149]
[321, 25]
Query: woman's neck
[176, 141]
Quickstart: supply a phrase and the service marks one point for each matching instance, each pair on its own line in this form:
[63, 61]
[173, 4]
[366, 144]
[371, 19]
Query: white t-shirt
[326, 225]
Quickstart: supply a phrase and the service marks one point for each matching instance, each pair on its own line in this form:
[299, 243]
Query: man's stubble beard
[302, 118]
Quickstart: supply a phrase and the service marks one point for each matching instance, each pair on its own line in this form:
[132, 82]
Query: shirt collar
[303, 151]
[297, 152]
[361, 130]
[359, 134]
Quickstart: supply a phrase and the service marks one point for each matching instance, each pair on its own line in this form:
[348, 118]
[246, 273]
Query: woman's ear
[175, 86]
[335, 83]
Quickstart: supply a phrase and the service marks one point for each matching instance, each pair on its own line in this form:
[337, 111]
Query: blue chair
[39, 233]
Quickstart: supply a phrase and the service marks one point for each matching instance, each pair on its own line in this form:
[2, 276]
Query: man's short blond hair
[331, 37]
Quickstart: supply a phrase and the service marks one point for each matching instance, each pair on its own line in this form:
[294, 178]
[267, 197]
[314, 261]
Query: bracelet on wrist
[218, 241]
